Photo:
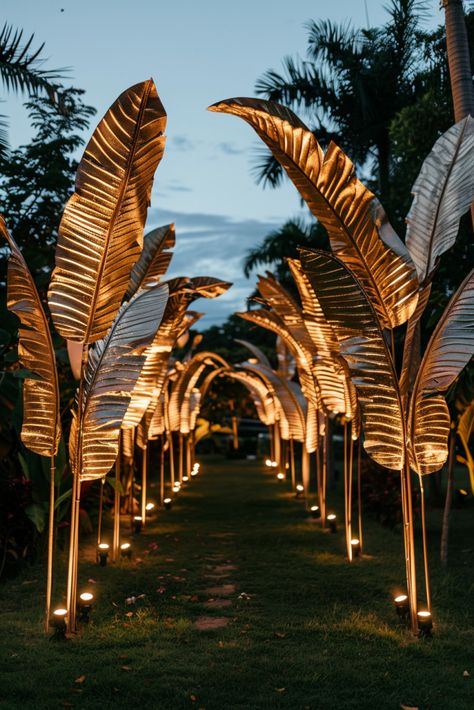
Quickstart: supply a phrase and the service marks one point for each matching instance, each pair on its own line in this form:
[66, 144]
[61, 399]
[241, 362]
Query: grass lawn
[310, 630]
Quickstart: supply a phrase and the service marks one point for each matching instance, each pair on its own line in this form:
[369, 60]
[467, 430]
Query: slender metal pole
[171, 456]
[349, 487]
[346, 496]
[305, 472]
[425, 544]
[272, 447]
[188, 455]
[116, 531]
[49, 569]
[101, 507]
[180, 457]
[162, 470]
[277, 445]
[319, 482]
[325, 471]
[410, 562]
[359, 493]
[144, 482]
[292, 464]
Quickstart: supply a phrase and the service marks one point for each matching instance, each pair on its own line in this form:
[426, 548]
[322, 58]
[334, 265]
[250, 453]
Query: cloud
[230, 148]
[182, 143]
[213, 245]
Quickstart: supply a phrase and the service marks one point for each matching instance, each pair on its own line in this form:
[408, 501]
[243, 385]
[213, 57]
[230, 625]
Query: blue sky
[197, 53]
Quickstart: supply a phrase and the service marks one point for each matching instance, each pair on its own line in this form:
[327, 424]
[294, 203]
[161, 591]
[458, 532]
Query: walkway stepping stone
[218, 603]
[206, 623]
[224, 591]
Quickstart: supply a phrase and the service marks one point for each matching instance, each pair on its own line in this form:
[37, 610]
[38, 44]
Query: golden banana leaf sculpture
[182, 291]
[450, 348]
[154, 259]
[363, 347]
[101, 232]
[357, 226]
[179, 414]
[113, 368]
[333, 384]
[256, 352]
[41, 426]
[465, 429]
[443, 192]
[291, 414]
[41, 429]
[261, 396]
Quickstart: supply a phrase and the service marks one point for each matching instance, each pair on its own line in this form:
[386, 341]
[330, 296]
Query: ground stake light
[332, 522]
[167, 503]
[425, 623]
[84, 606]
[281, 476]
[59, 624]
[103, 553]
[137, 524]
[355, 546]
[185, 479]
[149, 507]
[402, 606]
[315, 512]
[299, 491]
[126, 550]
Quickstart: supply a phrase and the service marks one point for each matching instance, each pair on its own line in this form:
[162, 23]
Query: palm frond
[154, 259]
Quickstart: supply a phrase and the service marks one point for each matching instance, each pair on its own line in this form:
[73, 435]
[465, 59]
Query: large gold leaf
[112, 370]
[291, 415]
[330, 376]
[41, 429]
[270, 320]
[450, 348]
[179, 412]
[465, 430]
[261, 396]
[154, 259]
[101, 232]
[363, 347]
[358, 228]
[443, 192]
[256, 351]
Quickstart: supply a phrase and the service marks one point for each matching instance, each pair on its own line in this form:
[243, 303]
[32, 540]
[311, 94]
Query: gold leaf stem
[116, 529]
[425, 543]
[49, 569]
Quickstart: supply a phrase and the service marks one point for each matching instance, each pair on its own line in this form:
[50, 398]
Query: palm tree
[21, 71]
[352, 84]
[458, 59]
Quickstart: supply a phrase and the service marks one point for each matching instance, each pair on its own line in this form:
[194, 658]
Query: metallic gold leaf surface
[256, 352]
[261, 396]
[41, 429]
[358, 228]
[270, 320]
[154, 259]
[293, 420]
[363, 347]
[112, 370]
[179, 408]
[443, 192]
[450, 348]
[465, 429]
[101, 232]
[329, 375]
[412, 343]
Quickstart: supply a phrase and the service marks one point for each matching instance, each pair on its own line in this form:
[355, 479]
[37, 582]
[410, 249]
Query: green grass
[316, 633]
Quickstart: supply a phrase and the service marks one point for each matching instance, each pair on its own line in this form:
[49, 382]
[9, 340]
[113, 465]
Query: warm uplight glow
[268, 462]
[425, 623]
[86, 597]
[331, 516]
[185, 479]
[315, 512]
[168, 503]
[332, 522]
[281, 476]
[463, 492]
[400, 599]
[138, 517]
[103, 546]
[60, 613]
[274, 464]
[300, 488]
[125, 546]
[167, 500]
[149, 506]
